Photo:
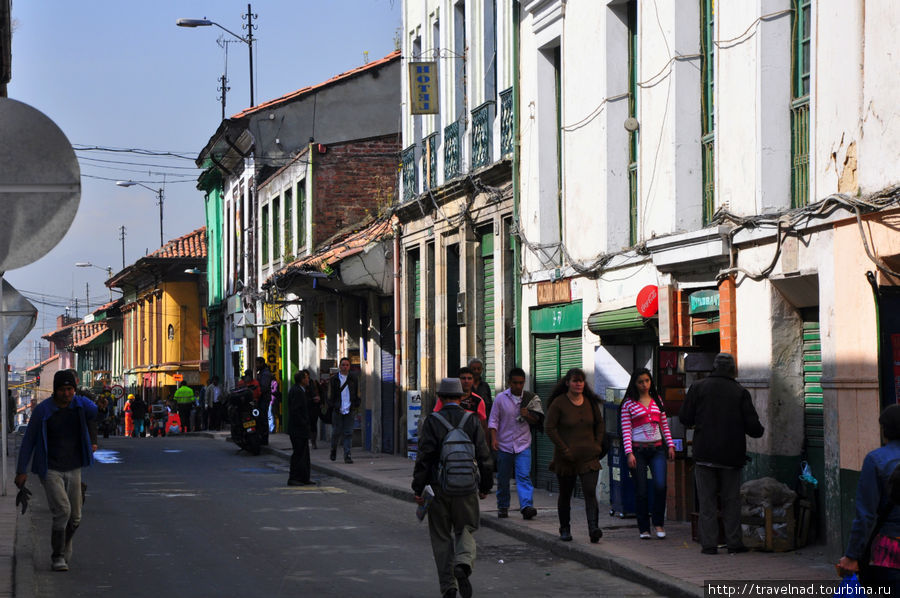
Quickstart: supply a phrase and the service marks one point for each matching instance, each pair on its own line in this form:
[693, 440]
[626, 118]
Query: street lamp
[108, 270]
[159, 195]
[247, 40]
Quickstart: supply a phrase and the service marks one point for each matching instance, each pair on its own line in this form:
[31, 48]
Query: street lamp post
[108, 270]
[159, 195]
[247, 40]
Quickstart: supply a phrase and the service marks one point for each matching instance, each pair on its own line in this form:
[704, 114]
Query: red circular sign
[648, 301]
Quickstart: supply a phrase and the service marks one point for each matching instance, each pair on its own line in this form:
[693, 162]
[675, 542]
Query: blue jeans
[521, 462]
[342, 426]
[655, 459]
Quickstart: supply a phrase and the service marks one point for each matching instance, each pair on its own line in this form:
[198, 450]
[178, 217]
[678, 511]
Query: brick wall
[353, 181]
[728, 317]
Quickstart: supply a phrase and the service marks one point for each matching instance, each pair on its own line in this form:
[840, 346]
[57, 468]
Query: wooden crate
[771, 543]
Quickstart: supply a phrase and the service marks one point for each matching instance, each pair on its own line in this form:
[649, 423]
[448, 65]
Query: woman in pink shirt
[647, 442]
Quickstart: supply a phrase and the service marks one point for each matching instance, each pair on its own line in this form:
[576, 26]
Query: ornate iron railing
[506, 122]
[482, 120]
[432, 145]
[410, 172]
[709, 176]
[451, 151]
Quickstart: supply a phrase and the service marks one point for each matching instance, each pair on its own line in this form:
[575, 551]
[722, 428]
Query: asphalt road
[172, 517]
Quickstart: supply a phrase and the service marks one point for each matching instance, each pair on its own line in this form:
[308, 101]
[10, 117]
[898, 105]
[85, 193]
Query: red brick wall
[352, 181]
[728, 317]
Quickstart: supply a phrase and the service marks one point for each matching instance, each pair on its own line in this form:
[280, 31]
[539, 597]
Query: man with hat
[451, 519]
[722, 413]
[58, 437]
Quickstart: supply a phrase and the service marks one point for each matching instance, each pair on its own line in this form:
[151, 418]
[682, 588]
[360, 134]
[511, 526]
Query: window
[276, 228]
[171, 333]
[288, 224]
[265, 235]
[301, 215]
[707, 108]
[800, 68]
[632, 112]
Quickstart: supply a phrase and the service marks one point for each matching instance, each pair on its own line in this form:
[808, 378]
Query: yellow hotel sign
[423, 88]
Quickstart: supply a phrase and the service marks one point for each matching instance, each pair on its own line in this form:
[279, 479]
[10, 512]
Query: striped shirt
[642, 424]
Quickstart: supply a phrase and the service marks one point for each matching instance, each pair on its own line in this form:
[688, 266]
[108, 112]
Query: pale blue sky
[119, 73]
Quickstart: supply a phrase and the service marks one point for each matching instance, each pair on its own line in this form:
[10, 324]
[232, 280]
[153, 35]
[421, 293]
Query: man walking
[298, 428]
[514, 412]
[58, 437]
[343, 398]
[479, 385]
[264, 378]
[721, 412]
[214, 404]
[452, 515]
[184, 399]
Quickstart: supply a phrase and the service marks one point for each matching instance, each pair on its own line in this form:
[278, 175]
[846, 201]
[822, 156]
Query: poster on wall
[413, 416]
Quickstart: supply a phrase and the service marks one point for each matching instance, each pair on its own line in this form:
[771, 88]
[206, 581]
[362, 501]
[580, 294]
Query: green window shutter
[276, 228]
[265, 235]
[708, 123]
[489, 358]
[800, 78]
[632, 112]
[288, 223]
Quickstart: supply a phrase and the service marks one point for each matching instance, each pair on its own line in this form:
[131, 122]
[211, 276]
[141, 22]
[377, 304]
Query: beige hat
[450, 387]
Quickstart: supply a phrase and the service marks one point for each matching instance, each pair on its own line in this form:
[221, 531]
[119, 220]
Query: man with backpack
[453, 457]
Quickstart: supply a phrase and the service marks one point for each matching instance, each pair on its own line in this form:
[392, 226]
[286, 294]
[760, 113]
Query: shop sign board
[648, 301]
[423, 88]
[701, 302]
[559, 291]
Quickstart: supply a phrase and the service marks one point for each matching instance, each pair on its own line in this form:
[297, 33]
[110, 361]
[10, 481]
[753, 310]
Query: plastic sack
[807, 476]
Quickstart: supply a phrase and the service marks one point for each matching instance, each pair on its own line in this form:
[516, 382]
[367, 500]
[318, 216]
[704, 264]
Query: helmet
[130, 397]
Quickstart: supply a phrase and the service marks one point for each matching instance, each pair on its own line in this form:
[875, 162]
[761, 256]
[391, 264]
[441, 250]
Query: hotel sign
[423, 88]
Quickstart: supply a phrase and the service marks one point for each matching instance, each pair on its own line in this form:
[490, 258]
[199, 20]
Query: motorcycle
[243, 415]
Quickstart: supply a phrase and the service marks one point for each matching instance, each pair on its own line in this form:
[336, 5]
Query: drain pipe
[399, 409]
[517, 156]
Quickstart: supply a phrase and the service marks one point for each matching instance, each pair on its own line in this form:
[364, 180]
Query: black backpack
[458, 468]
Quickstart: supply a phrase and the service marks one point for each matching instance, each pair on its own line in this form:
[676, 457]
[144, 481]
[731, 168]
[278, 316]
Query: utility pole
[249, 27]
[122, 238]
[87, 298]
[224, 89]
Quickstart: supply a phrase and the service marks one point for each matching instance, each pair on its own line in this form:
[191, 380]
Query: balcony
[410, 173]
[482, 121]
[431, 143]
[506, 122]
[451, 151]
[708, 143]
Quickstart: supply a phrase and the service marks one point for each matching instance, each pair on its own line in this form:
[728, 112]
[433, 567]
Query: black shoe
[451, 593]
[347, 459]
[565, 534]
[296, 483]
[738, 549]
[712, 550]
[595, 535]
[502, 513]
[333, 455]
[529, 513]
[461, 573]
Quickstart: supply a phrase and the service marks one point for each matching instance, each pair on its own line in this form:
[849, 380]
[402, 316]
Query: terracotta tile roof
[301, 92]
[107, 306]
[60, 330]
[86, 333]
[40, 365]
[340, 247]
[192, 244]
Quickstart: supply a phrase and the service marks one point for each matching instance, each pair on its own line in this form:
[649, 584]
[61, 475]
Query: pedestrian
[722, 414]
[479, 385]
[184, 398]
[57, 437]
[875, 532]
[575, 425]
[105, 418]
[314, 403]
[470, 401]
[298, 428]
[264, 379]
[647, 442]
[343, 398]
[138, 413]
[515, 411]
[214, 404]
[275, 407]
[129, 417]
[452, 519]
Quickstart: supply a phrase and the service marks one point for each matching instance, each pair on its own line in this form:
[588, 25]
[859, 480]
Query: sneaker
[461, 573]
[295, 483]
[333, 455]
[660, 533]
[59, 564]
[645, 535]
[347, 459]
[529, 513]
[502, 513]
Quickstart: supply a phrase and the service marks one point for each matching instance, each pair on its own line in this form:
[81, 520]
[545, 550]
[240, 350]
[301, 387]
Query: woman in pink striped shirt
[647, 442]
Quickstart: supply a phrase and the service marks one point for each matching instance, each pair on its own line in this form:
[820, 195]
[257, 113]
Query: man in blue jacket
[58, 437]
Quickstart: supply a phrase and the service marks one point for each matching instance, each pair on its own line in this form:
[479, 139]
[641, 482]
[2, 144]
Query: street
[193, 517]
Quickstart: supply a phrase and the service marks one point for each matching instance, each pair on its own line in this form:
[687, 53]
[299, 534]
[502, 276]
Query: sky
[117, 74]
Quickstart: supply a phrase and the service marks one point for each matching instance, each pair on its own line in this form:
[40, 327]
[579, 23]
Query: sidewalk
[672, 567]
[16, 570]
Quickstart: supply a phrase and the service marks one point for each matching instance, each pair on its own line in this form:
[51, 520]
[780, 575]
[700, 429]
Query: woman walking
[575, 425]
[647, 443]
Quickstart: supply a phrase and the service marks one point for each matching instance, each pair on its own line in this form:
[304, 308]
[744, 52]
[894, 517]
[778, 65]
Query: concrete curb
[595, 557]
[23, 576]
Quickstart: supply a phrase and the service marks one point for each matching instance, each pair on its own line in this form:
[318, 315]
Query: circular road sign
[40, 184]
[117, 391]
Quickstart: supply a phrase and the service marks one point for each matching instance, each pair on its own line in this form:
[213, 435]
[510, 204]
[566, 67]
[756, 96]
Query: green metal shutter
[814, 424]
[489, 358]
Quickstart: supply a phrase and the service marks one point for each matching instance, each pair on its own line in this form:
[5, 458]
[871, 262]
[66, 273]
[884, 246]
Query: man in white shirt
[343, 398]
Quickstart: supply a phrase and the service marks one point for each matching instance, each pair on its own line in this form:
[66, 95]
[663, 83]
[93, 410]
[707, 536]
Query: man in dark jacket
[298, 428]
[58, 439]
[721, 412]
[451, 519]
[343, 398]
[264, 378]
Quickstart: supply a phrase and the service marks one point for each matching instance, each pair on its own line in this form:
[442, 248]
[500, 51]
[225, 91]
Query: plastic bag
[807, 476]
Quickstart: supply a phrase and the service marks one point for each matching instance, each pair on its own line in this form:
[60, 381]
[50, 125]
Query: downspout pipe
[516, 169]
[398, 336]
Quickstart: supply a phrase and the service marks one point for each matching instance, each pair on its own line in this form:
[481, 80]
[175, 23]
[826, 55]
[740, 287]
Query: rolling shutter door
[813, 405]
[489, 357]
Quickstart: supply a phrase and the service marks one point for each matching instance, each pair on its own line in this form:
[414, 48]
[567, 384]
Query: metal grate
[432, 145]
[451, 150]
[410, 172]
[709, 176]
[800, 152]
[482, 119]
[506, 122]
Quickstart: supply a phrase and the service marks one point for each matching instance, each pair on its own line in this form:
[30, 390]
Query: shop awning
[619, 322]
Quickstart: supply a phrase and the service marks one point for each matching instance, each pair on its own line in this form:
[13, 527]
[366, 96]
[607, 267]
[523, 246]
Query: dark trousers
[567, 489]
[184, 413]
[723, 483]
[451, 522]
[300, 457]
[262, 422]
[654, 458]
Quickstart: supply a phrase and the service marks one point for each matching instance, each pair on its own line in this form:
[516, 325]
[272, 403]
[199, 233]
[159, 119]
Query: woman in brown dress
[575, 425]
